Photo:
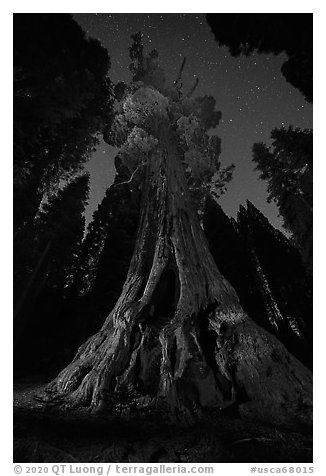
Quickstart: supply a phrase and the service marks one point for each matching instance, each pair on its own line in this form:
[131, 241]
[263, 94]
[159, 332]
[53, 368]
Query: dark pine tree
[177, 339]
[266, 272]
[119, 243]
[280, 281]
[287, 167]
[267, 33]
[62, 222]
[58, 233]
[61, 103]
[231, 256]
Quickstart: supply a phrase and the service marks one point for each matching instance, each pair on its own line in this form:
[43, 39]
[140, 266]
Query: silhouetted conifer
[288, 169]
[61, 102]
[274, 33]
[280, 279]
[266, 272]
[41, 287]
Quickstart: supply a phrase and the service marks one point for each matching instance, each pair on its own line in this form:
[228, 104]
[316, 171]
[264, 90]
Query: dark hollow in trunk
[177, 338]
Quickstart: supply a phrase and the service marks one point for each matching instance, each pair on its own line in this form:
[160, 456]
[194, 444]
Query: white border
[319, 185]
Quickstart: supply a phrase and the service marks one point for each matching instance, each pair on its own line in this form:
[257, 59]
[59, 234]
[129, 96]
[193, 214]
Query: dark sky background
[251, 93]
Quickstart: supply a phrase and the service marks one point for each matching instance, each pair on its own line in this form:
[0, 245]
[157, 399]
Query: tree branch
[176, 82]
[190, 93]
[130, 179]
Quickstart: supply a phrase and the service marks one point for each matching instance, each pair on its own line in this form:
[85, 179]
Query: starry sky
[251, 92]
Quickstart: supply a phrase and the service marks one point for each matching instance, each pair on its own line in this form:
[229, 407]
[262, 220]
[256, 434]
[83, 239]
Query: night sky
[251, 92]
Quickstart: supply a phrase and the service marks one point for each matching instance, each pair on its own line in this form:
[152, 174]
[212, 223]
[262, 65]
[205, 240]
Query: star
[251, 91]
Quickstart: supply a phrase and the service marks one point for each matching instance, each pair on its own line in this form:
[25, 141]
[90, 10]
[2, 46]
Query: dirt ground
[44, 434]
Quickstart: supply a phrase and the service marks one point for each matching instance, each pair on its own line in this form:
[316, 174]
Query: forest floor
[52, 435]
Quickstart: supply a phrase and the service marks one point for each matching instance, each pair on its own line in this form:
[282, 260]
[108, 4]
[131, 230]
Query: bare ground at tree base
[47, 435]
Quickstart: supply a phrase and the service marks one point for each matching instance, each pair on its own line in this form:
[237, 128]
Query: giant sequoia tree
[177, 338]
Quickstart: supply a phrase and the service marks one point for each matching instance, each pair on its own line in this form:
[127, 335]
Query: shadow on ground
[51, 435]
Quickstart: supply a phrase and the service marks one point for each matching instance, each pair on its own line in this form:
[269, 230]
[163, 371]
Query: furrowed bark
[177, 338]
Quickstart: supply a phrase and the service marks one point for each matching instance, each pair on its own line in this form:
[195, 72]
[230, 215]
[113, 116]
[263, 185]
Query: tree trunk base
[216, 360]
[177, 340]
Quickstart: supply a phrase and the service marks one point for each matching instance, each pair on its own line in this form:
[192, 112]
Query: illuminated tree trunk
[177, 337]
